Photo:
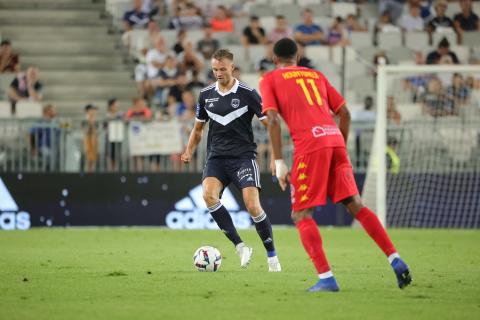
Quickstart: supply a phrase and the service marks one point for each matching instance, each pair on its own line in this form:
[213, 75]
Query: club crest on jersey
[235, 103]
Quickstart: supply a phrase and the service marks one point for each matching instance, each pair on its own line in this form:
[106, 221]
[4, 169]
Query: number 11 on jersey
[306, 92]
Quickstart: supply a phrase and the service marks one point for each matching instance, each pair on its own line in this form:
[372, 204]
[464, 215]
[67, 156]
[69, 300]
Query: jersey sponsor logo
[10, 217]
[192, 213]
[211, 100]
[319, 131]
[235, 103]
[210, 105]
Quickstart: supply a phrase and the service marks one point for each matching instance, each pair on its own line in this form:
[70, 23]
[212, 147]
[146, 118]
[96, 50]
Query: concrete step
[51, 17]
[53, 32]
[38, 47]
[83, 77]
[90, 62]
[75, 108]
[96, 90]
[53, 4]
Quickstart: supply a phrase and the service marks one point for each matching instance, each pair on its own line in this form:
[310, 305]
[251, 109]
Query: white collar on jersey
[232, 89]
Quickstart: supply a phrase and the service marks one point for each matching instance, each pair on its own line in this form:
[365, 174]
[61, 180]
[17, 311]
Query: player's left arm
[344, 117]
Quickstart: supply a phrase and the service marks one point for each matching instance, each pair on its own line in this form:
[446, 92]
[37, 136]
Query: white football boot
[274, 264]
[245, 254]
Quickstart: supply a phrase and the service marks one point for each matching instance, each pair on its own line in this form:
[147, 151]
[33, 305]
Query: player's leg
[312, 242]
[342, 188]
[372, 225]
[263, 226]
[308, 189]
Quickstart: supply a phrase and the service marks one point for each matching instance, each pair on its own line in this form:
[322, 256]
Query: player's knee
[298, 216]
[210, 198]
[253, 207]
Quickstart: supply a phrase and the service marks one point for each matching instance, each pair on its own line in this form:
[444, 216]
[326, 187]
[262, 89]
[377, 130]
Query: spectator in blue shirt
[308, 33]
[134, 19]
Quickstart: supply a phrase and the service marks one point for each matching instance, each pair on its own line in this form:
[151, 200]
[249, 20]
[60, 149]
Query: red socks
[375, 230]
[312, 242]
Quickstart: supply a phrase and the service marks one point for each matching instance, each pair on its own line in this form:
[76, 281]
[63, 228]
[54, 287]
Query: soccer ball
[207, 258]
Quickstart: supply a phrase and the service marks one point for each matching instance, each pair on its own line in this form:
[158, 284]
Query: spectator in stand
[113, 144]
[466, 20]
[155, 59]
[392, 112]
[134, 19]
[90, 140]
[337, 35]
[167, 78]
[44, 140]
[412, 21]
[440, 20]
[352, 24]
[181, 37]
[221, 21]
[425, 8]
[195, 84]
[442, 55]
[458, 92]
[207, 45]
[281, 30]
[141, 74]
[154, 8]
[395, 7]
[153, 32]
[186, 17]
[384, 24]
[253, 33]
[266, 63]
[237, 73]
[9, 61]
[139, 110]
[309, 33]
[179, 87]
[189, 60]
[435, 100]
[303, 60]
[25, 86]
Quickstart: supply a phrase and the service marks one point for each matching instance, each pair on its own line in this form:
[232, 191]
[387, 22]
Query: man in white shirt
[412, 21]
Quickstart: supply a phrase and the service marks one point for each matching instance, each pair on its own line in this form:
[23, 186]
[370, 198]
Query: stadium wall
[169, 199]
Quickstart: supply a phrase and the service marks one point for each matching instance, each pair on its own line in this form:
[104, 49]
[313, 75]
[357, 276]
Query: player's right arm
[193, 141]
[270, 107]
[201, 117]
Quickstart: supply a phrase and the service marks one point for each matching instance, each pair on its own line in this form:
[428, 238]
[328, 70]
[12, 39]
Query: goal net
[424, 169]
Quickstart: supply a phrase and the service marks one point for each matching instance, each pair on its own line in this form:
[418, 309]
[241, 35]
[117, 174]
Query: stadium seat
[368, 53]
[462, 52]
[369, 10]
[292, 12]
[471, 39]
[268, 23]
[417, 41]
[5, 109]
[336, 54]
[410, 111]
[5, 80]
[398, 54]
[28, 109]
[354, 69]
[251, 79]
[256, 52]
[262, 9]
[324, 22]
[305, 3]
[438, 36]
[170, 36]
[318, 53]
[388, 40]
[343, 9]
[320, 9]
[361, 39]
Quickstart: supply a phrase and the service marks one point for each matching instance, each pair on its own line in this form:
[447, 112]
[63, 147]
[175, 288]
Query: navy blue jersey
[230, 133]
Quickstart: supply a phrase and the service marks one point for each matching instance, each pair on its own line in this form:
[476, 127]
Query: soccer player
[306, 101]
[230, 105]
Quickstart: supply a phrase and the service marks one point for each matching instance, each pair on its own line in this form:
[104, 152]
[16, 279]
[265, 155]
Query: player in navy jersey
[229, 106]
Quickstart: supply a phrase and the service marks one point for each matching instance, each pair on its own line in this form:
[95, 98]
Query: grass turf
[148, 274]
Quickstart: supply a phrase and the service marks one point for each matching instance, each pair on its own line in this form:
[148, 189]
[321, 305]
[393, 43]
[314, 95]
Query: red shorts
[322, 173]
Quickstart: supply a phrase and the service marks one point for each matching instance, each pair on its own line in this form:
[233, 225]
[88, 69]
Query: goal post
[424, 168]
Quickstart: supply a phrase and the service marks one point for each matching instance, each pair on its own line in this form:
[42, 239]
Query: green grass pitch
[138, 273]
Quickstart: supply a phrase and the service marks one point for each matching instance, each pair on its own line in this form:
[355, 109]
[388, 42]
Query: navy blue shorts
[241, 172]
